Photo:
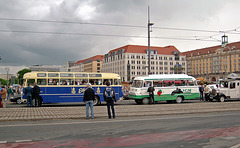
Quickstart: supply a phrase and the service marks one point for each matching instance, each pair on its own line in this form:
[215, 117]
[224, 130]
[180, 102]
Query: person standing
[4, 96]
[36, 92]
[201, 89]
[10, 92]
[109, 97]
[88, 98]
[28, 92]
[151, 94]
[206, 92]
[218, 91]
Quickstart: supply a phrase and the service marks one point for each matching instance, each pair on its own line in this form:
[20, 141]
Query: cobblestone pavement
[77, 112]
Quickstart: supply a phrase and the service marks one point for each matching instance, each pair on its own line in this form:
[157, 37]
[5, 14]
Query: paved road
[208, 130]
[120, 102]
[125, 110]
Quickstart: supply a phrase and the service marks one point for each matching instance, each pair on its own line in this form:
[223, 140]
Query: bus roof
[166, 77]
[74, 74]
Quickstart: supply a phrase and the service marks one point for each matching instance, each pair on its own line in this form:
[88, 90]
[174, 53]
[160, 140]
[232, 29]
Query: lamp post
[7, 69]
[149, 56]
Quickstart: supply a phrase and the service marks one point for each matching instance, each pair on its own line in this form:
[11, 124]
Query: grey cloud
[30, 48]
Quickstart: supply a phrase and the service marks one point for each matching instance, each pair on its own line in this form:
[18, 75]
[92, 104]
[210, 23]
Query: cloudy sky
[55, 31]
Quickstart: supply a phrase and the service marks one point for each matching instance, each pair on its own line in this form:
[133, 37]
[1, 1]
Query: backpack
[109, 92]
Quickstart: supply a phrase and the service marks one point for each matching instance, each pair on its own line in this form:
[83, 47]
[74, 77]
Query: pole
[149, 56]
[7, 69]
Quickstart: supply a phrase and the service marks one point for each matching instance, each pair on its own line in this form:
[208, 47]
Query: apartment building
[214, 63]
[92, 64]
[132, 60]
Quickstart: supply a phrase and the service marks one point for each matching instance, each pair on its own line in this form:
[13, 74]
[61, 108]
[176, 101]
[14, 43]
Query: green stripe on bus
[168, 96]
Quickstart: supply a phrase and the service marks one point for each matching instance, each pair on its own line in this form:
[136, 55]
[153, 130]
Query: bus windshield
[137, 83]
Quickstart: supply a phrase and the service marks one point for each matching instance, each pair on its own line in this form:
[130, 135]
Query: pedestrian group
[109, 97]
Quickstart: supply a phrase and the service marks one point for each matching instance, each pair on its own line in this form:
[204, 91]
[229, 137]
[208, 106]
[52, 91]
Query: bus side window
[81, 81]
[41, 81]
[66, 82]
[147, 83]
[109, 80]
[178, 83]
[31, 81]
[190, 83]
[115, 81]
[157, 83]
[53, 81]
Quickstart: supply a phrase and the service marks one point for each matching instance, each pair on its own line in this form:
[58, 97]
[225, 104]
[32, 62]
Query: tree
[3, 82]
[21, 73]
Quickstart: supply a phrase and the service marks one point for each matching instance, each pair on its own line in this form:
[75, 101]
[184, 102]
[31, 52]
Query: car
[213, 94]
[17, 98]
[126, 96]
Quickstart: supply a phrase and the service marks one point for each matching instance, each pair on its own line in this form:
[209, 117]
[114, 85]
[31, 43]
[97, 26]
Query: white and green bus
[168, 87]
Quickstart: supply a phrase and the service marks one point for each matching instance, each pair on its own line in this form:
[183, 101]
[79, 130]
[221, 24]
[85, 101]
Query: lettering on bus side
[81, 90]
[186, 90]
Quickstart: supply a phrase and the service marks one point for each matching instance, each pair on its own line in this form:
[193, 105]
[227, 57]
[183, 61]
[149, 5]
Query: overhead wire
[114, 25]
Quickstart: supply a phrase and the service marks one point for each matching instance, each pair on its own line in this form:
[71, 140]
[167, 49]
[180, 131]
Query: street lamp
[149, 56]
[7, 69]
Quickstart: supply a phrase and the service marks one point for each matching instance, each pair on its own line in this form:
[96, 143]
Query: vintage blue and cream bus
[58, 87]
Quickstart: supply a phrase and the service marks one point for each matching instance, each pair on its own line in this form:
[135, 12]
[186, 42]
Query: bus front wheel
[145, 101]
[179, 99]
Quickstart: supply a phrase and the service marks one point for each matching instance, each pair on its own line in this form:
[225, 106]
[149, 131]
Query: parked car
[126, 96]
[213, 94]
[17, 98]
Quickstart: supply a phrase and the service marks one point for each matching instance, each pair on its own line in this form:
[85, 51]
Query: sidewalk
[78, 112]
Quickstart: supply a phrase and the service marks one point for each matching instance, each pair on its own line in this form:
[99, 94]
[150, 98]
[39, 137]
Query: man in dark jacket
[88, 98]
[109, 97]
[28, 93]
[36, 92]
[151, 94]
[201, 89]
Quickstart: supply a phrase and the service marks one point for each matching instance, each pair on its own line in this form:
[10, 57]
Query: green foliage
[3, 82]
[21, 73]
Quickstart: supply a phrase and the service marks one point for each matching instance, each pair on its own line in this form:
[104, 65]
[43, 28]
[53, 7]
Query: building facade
[214, 63]
[92, 64]
[66, 67]
[132, 60]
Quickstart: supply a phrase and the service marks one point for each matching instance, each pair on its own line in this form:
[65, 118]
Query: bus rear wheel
[145, 101]
[96, 101]
[179, 99]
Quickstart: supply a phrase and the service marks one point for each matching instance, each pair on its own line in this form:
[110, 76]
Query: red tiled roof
[94, 58]
[168, 50]
[209, 50]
